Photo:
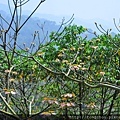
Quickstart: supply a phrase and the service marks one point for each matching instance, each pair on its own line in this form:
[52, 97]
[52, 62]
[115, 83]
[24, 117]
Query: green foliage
[68, 72]
[95, 61]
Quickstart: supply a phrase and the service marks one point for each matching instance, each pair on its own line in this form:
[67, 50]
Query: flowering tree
[68, 74]
[85, 70]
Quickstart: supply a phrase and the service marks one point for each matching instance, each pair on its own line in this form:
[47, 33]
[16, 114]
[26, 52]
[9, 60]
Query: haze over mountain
[88, 23]
[49, 23]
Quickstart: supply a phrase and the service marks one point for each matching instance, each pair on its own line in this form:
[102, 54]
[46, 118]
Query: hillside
[34, 24]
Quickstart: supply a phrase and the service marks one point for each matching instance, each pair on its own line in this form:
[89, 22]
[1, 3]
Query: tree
[87, 69]
[14, 85]
[67, 74]
[22, 79]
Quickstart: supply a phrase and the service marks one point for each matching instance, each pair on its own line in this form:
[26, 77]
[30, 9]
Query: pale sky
[83, 9]
[86, 9]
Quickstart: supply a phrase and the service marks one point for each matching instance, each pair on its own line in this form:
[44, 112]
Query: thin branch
[99, 28]
[12, 111]
[103, 29]
[21, 3]
[102, 85]
[38, 113]
[13, 15]
[9, 114]
[77, 80]
[6, 22]
[31, 14]
[116, 25]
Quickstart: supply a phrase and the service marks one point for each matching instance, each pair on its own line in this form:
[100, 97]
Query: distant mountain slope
[36, 24]
[33, 24]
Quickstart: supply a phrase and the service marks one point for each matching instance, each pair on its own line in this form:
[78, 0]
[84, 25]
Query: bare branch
[116, 25]
[31, 14]
[12, 111]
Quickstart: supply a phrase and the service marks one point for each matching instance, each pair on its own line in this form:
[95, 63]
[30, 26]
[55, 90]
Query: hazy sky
[83, 9]
[86, 9]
